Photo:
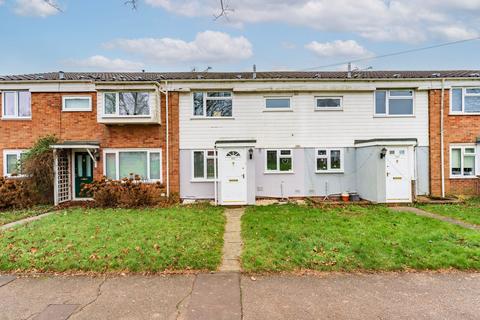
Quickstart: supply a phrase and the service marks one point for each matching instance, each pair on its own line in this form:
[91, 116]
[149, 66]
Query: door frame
[73, 182]
[412, 172]
[221, 157]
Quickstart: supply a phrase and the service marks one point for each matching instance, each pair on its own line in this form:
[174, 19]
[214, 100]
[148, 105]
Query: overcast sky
[167, 35]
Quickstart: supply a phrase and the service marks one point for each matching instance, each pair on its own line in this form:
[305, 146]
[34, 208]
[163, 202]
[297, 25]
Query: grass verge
[15, 215]
[352, 238]
[110, 240]
[469, 211]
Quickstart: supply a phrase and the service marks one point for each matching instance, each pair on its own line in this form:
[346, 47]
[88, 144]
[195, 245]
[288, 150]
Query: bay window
[122, 163]
[16, 105]
[126, 104]
[212, 104]
[329, 160]
[278, 161]
[203, 164]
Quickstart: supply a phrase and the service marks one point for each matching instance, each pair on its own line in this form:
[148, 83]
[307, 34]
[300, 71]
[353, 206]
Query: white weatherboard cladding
[303, 126]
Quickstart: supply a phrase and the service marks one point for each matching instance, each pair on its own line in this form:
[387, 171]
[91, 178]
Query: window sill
[76, 110]
[278, 172]
[328, 109]
[329, 172]
[17, 119]
[464, 177]
[126, 117]
[212, 118]
[201, 180]
[278, 110]
[393, 116]
[464, 114]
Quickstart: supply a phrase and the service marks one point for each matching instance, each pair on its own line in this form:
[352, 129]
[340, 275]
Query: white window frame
[464, 93]
[18, 153]
[205, 98]
[462, 147]
[65, 98]
[387, 104]
[328, 157]
[15, 116]
[329, 108]
[289, 109]
[117, 105]
[279, 155]
[205, 178]
[117, 151]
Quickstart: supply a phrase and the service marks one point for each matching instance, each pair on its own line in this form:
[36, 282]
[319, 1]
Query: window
[121, 164]
[329, 160]
[126, 104]
[277, 103]
[77, 103]
[328, 103]
[279, 161]
[212, 104]
[394, 103]
[462, 161]
[203, 164]
[16, 105]
[12, 163]
[465, 101]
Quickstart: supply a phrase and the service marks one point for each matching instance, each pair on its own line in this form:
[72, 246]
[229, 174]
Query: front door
[83, 173]
[399, 176]
[232, 173]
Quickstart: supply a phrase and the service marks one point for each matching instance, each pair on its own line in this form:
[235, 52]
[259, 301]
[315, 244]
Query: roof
[269, 75]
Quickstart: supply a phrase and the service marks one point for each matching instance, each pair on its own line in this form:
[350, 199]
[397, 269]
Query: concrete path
[25, 221]
[423, 213]
[232, 241]
[231, 296]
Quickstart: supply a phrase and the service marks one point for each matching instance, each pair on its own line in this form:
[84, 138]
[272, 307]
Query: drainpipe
[167, 143]
[215, 179]
[442, 151]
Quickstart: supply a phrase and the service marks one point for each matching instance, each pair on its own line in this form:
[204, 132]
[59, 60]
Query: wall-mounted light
[250, 153]
[383, 153]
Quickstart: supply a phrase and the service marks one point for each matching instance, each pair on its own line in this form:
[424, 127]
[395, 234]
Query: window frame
[387, 103]
[117, 152]
[290, 103]
[464, 93]
[462, 147]
[18, 153]
[329, 157]
[117, 105]
[328, 108]
[205, 98]
[65, 98]
[205, 177]
[279, 156]
[16, 107]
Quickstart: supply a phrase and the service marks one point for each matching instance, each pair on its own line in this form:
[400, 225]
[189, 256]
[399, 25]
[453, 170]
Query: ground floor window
[12, 163]
[462, 161]
[279, 161]
[329, 160]
[203, 164]
[122, 163]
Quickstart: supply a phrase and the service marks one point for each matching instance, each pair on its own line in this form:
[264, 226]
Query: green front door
[83, 173]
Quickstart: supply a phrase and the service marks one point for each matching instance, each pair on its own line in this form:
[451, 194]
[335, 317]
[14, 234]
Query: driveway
[452, 295]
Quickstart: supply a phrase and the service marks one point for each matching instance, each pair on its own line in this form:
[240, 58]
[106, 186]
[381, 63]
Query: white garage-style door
[399, 174]
[232, 174]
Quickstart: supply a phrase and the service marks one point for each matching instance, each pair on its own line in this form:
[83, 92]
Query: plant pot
[345, 197]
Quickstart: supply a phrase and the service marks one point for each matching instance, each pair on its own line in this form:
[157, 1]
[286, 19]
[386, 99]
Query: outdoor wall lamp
[383, 153]
[250, 153]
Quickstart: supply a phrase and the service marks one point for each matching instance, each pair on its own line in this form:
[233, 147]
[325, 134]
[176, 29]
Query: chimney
[254, 71]
[61, 75]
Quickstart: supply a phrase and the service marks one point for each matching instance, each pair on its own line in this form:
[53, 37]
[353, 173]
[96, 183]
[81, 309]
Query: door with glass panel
[83, 173]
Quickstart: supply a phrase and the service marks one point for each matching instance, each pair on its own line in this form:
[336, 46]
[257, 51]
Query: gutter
[442, 142]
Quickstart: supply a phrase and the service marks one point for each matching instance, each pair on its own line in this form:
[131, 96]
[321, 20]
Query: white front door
[232, 174]
[399, 174]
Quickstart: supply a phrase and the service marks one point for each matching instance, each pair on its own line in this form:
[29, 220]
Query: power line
[393, 54]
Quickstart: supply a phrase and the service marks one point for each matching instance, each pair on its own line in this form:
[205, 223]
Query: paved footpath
[232, 296]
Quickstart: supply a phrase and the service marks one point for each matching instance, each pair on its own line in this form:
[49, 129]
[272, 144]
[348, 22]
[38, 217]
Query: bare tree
[53, 4]
[225, 9]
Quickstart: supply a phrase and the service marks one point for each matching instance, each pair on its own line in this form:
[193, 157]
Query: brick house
[235, 137]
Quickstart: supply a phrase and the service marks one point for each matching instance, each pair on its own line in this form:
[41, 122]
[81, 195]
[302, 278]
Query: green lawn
[149, 240]
[468, 211]
[289, 238]
[14, 215]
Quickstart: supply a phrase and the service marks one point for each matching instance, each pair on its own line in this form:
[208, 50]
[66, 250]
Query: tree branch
[224, 10]
[54, 5]
[132, 3]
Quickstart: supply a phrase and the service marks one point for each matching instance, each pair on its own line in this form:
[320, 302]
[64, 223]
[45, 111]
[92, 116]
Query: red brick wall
[457, 129]
[48, 118]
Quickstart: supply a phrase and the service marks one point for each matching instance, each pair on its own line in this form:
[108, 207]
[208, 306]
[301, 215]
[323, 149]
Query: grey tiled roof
[269, 75]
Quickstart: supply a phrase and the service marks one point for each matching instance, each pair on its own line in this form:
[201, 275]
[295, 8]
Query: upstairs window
[462, 161]
[12, 163]
[277, 103]
[16, 105]
[76, 103]
[203, 164]
[328, 103]
[394, 103]
[465, 101]
[329, 160]
[279, 161]
[212, 104]
[126, 104]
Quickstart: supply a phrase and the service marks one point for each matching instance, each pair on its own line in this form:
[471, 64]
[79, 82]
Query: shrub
[15, 194]
[128, 193]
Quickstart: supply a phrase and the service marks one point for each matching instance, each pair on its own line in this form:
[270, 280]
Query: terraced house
[235, 137]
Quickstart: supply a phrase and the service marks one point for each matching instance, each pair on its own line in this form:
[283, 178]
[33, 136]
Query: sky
[180, 35]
